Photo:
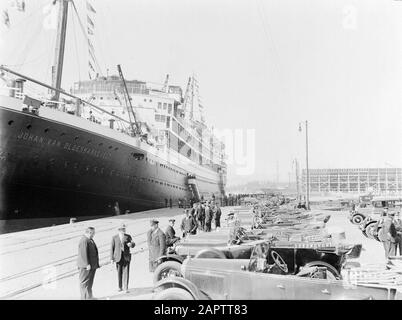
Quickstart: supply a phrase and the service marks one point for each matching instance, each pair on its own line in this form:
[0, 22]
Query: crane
[166, 84]
[136, 130]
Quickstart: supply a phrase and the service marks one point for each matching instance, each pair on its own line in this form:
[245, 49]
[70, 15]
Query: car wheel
[173, 294]
[357, 219]
[332, 273]
[376, 234]
[167, 269]
[370, 230]
[210, 254]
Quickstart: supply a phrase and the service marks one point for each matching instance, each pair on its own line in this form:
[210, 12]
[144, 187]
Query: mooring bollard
[73, 220]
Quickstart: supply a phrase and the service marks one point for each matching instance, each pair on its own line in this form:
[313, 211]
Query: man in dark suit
[156, 240]
[188, 224]
[120, 254]
[87, 262]
[171, 234]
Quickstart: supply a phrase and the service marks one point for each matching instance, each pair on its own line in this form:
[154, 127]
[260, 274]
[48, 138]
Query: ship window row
[163, 183]
[170, 168]
[62, 134]
[95, 169]
[140, 156]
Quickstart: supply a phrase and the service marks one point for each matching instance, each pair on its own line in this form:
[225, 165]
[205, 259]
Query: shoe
[126, 291]
[120, 289]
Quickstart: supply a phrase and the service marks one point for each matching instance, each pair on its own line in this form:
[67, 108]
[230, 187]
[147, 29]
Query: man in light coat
[121, 255]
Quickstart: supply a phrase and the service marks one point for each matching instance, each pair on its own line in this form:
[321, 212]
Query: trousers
[86, 278]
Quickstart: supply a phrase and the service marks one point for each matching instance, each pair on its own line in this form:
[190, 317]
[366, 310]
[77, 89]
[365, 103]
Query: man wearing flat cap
[156, 240]
[121, 255]
[170, 233]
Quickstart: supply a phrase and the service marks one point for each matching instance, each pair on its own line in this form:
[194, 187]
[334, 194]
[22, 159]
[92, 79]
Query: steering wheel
[242, 234]
[279, 261]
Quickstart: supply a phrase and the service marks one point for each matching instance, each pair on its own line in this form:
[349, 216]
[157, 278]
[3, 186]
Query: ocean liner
[108, 142]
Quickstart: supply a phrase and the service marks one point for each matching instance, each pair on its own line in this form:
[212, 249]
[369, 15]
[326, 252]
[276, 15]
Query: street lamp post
[307, 172]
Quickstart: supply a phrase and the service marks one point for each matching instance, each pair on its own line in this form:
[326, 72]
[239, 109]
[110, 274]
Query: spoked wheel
[370, 230]
[167, 269]
[331, 272]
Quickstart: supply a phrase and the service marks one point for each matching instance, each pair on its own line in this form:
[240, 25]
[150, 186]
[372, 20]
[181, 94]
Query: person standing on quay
[121, 255]
[398, 227]
[200, 217]
[217, 216]
[156, 240]
[87, 262]
[170, 233]
[188, 224]
[116, 209]
[170, 203]
[208, 217]
[387, 234]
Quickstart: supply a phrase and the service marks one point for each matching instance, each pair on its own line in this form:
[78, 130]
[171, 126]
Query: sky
[263, 67]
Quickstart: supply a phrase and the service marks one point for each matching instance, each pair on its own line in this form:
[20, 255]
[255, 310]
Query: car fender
[170, 257]
[181, 283]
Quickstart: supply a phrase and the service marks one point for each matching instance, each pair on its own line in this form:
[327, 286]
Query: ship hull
[51, 168]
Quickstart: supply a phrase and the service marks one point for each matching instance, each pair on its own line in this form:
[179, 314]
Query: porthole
[62, 134]
[10, 122]
[100, 144]
[46, 130]
[115, 149]
[76, 138]
[29, 126]
[110, 147]
[89, 141]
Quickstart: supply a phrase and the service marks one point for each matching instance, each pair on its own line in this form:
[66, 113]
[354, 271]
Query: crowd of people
[202, 217]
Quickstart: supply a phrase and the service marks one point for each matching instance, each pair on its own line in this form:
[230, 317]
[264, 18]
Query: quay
[41, 263]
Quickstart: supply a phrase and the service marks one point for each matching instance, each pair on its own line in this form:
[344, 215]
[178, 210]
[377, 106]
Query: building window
[164, 106]
[159, 105]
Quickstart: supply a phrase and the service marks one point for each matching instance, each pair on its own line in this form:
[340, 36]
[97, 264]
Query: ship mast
[57, 68]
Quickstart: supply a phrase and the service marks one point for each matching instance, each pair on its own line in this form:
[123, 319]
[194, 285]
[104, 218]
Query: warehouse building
[380, 181]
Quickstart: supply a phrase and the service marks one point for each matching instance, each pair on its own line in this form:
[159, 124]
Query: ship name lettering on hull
[23, 135]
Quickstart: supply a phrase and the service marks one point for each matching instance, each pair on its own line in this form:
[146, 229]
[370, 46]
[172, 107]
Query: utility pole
[297, 179]
[307, 172]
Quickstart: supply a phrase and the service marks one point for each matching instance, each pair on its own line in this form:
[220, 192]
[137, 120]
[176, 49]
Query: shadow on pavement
[134, 293]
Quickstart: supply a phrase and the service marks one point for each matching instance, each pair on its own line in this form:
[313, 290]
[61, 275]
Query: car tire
[173, 294]
[332, 273]
[357, 219]
[210, 254]
[370, 230]
[167, 269]
[376, 234]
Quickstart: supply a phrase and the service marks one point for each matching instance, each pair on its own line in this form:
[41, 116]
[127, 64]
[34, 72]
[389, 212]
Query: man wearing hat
[87, 262]
[171, 234]
[188, 224]
[156, 240]
[120, 254]
[387, 234]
